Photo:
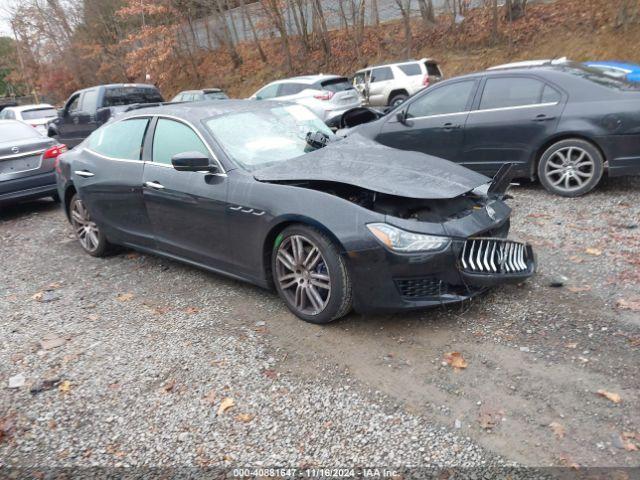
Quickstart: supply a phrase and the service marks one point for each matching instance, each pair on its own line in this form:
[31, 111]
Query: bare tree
[515, 9]
[405, 11]
[320, 26]
[254, 34]
[427, 12]
[274, 13]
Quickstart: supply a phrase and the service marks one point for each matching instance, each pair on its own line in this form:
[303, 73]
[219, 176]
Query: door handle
[542, 118]
[83, 173]
[451, 126]
[154, 185]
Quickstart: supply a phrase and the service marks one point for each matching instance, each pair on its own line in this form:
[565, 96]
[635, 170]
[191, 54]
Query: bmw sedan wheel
[87, 232]
[310, 275]
[571, 168]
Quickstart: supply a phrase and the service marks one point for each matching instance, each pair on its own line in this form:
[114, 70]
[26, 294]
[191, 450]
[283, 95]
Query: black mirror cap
[193, 162]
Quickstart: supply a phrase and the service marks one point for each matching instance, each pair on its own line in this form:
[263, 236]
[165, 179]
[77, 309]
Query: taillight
[325, 95]
[425, 81]
[54, 151]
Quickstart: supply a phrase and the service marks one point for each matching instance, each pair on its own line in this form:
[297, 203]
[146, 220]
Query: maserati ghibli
[264, 192]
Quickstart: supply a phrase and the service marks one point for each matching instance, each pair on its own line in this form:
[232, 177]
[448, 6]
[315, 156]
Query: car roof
[623, 65]
[118, 85]
[531, 63]
[406, 62]
[195, 111]
[23, 108]
[310, 79]
[202, 90]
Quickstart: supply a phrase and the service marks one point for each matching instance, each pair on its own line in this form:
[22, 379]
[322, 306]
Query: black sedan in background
[27, 161]
[562, 123]
[264, 192]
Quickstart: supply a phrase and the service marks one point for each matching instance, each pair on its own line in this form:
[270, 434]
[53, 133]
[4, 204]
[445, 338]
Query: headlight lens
[402, 241]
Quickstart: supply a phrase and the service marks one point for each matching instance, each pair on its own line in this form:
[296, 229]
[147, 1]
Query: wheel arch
[558, 138]
[397, 91]
[278, 227]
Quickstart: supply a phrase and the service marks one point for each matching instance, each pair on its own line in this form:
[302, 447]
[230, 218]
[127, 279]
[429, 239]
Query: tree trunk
[427, 13]
[405, 10]
[273, 12]
[321, 23]
[515, 9]
[494, 20]
[376, 12]
[254, 34]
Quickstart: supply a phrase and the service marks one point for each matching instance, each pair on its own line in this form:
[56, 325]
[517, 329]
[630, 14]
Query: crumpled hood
[364, 163]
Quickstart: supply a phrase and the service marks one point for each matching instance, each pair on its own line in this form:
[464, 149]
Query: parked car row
[382, 215]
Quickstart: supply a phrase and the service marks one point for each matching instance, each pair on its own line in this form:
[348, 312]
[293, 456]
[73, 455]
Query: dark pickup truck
[88, 109]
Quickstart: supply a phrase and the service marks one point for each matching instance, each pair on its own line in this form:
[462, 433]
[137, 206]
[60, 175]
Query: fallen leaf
[210, 398]
[270, 373]
[225, 405]
[7, 425]
[456, 360]
[168, 387]
[635, 342]
[576, 259]
[614, 397]
[124, 297]
[586, 288]
[630, 304]
[488, 419]
[65, 386]
[593, 251]
[244, 417]
[571, 345]
[132, 255]
[630, 446]
[46, 296]
[191, 310]
[51, 342]
[558, 429]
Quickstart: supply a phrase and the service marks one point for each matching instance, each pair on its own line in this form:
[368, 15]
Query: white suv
[328, 96]
[393, 83]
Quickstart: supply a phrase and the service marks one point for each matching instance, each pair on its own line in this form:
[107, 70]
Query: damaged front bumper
[387, 281]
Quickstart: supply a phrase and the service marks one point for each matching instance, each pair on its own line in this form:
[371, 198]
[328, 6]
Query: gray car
[27, 162]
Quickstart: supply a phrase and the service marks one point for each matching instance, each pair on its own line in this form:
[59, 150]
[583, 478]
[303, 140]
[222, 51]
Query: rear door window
[290, 89]
[120, 140]
[511, 92]
[172, 137]
[336, 85]
[432, 69]
[452, 98]
[117, 96]
[39, 113]
[410, 69]
[381, 74]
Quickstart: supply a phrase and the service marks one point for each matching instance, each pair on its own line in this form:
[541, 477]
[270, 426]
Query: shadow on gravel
[14, 211]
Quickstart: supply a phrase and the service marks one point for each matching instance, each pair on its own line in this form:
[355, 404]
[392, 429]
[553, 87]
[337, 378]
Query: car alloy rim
[86, 231]
[569, 168]
[302, 274]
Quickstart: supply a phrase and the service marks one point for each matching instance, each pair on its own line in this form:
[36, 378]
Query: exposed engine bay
[426, 210]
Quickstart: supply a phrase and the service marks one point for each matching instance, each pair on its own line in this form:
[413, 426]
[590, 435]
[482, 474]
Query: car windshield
[597, 76]
[39, 113]
[255, 139]
[215, 95]
[13, 131]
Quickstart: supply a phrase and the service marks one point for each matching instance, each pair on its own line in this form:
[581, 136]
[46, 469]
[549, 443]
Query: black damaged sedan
[265, 193]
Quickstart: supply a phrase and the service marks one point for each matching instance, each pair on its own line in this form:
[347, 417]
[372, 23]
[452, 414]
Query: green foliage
[7, 64]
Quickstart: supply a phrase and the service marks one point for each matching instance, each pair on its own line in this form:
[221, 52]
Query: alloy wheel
[86, 231]
[303, 275]
[569, 169]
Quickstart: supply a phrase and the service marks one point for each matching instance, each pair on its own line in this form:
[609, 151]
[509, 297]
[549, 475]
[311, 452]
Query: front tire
[570, 168]
[397, 99]
[310, 275]
[89, 235]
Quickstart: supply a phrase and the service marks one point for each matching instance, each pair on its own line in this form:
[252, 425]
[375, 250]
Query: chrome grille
[493, 255]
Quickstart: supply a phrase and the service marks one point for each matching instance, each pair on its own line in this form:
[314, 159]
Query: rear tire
[89, 235]
[310, 275]
[397, 99]
[571, 167]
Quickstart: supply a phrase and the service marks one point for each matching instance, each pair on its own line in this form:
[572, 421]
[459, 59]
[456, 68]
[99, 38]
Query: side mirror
[401, 116]
[60, 112]
[192, 162]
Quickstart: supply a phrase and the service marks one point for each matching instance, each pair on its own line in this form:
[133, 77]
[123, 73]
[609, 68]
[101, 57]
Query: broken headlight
[400, 240]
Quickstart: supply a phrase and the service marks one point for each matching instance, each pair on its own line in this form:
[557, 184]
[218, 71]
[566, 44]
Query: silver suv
[393, 83]
[328, 96]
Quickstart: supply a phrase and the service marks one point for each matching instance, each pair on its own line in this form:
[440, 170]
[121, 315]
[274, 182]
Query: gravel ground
[129, 360]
